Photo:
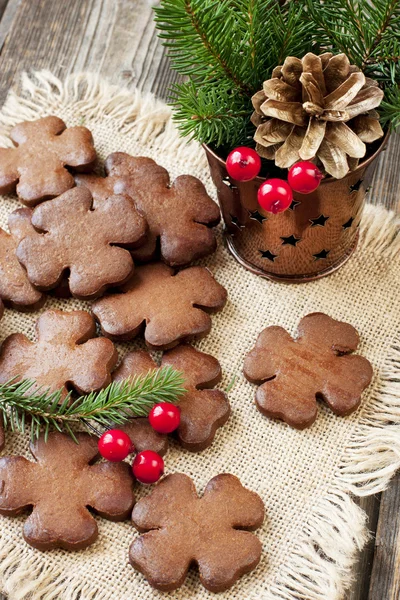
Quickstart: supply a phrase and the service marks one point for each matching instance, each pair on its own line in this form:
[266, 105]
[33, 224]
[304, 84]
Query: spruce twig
[227, 49]
[118, 402]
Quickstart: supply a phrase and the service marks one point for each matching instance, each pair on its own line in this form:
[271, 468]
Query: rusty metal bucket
[312, 239]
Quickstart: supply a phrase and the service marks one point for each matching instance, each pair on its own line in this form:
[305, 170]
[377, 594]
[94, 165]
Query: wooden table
[117, 38]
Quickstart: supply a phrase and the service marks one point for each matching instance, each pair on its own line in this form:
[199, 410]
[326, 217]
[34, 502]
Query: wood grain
[117, 39]
[385, 576]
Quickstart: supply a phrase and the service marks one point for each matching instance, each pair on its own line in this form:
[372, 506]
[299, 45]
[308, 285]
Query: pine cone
[318, 107]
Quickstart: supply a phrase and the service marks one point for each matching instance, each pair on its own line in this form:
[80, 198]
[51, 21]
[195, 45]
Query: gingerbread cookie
[203, 411]
[182, 529]
[170, 306]
[64, 354]
[180, 215]
[15, 287]
[293, 373]
[67, 233]
[143, 436]
[36, 167]
[59, 487]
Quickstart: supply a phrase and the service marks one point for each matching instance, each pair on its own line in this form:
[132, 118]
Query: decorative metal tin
[312, 239]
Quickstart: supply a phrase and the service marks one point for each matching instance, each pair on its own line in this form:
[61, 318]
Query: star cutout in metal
[291, 240]
[321, 220]
[321, 255]
[348, 223]
[256, 216]
[269, 255]
[356, 186]
[294, 204]
[235, 221]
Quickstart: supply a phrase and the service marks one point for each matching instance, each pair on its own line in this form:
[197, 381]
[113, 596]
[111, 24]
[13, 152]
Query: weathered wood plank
[385, 576]
[362, 569]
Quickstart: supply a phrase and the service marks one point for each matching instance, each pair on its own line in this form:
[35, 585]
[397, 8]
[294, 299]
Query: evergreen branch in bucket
[227, 49]
[116, 403]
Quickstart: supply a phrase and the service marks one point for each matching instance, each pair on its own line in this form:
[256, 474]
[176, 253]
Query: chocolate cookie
[143, 436]
[64, 354]
[67, 233]
[36, 167]
[203, 411]
[180, 215]
[59, 487]
[170, 307]
[15, 287]
[292, 374]
[182, 529]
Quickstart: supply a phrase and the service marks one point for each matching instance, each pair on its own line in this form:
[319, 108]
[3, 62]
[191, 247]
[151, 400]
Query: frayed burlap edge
[320, 565]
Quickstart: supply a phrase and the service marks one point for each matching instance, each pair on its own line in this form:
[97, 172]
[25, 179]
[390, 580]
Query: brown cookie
[203, 411]
[315, 365]
[143, 436]
[67, 233]
[64, 354]
[180, 214]
[182, 529]
[15, 287]
[59, 487]
[170, 307]
[36, 167]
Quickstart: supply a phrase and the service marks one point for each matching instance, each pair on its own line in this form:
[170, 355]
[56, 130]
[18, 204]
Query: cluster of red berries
[274, 195]
[148, 466]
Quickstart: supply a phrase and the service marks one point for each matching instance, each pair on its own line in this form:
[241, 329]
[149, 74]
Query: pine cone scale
[276, 89]
[339, 134]
[366, 100]
[340, 98]
[291, 112]
[288, 153]
[312, 140]
[334, 159]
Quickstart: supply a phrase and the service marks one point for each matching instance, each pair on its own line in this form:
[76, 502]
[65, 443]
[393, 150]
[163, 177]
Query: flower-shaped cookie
[67, 233]
[203, 411]
[212, 531]
[66, 353]
[59, 487]
[15, 287]
[294, 373]
[172, 307]
[180, 215]
[43, 149]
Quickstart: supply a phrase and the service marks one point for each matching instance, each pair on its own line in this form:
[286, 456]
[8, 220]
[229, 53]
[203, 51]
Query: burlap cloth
[313, 528]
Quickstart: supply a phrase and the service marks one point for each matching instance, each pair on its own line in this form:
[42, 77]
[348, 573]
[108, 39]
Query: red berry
[115, 445]
[148, 466]
[304, 177]
[165, 417]
[275, 195]
[243, 164]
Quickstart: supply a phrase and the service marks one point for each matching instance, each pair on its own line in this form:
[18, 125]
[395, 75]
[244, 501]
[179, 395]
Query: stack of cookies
[131, 235]
[124, 241]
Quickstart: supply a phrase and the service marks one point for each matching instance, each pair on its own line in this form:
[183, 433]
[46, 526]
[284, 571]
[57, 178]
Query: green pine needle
[118, 402]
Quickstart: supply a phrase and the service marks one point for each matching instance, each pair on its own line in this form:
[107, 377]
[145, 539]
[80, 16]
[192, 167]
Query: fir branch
[201, 38]
[119, 401]
[211, 113]
[390, 108]
[228, 49]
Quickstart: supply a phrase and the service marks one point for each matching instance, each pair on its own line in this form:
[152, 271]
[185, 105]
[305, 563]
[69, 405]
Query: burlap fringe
[320, 564]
